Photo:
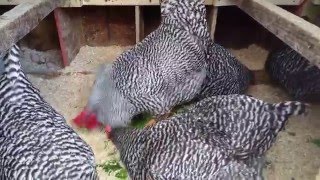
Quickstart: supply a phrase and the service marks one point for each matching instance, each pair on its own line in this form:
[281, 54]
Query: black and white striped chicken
[221, 137]
[295, 73]
[225, 73]
[35, 140]
[163, 70]
[173, 65]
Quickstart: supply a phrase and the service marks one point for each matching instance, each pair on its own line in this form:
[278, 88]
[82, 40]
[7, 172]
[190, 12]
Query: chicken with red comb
[86, 120]
[89, 120]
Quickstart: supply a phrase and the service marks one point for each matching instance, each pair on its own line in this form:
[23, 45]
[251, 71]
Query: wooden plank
[316, 2]
[139, 22]
[23, 18]
[79, 3]
[67, 3]
[68, 23]
[299, 34]
[276, 2]
[213, 20]
[127, 2]
[10, 2]
[156, 2]
[72, 3]
[121, 2]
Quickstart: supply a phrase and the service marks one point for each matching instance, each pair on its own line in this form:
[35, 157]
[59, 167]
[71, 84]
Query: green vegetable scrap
[114, 167]
[316, 142]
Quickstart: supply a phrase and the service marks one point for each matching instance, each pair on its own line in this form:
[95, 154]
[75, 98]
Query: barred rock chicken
[225, 74]
[221, 137]
[295, 73]
[163, 70]
[35, 141]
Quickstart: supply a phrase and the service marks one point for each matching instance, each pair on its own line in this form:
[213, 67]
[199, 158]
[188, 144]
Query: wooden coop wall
[124, 22]
[115, 25]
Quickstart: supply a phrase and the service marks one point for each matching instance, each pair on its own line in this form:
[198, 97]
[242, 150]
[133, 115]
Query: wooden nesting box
[301, 35]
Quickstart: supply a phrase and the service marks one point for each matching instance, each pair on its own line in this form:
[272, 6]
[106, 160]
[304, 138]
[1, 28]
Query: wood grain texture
[69, 28]
[156, 2]
[299, 34]
[139, 23]
[213, 21]
[66, 3]
[23, 18]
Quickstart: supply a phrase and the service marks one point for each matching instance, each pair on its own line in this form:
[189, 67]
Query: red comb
[86, 120]
[108, 131]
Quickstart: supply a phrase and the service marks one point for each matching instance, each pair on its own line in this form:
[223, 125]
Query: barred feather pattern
[295, 73]
[221, 137]
[165, 69]
[173, 149]
[35, 140]
[250, 123]
[225, 74]
[188, 15]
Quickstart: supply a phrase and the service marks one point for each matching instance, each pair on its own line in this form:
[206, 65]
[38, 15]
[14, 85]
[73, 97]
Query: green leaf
[111, 166]
[316, 142]
[114, 167]
[121, 174]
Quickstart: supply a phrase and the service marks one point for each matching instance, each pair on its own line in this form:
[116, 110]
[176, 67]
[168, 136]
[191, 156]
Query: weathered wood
[156, 2]
[72, 3]
[213, 20]
[11, 2]
[299, 34]
[128, 2]
[316, 2]
[276, 2]
[20, 20]
[79, 3]
[69, 31]
[67, 3]
[139, 22]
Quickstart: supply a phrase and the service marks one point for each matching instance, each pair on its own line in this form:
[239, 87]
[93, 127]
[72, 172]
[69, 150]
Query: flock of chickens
[223, 135]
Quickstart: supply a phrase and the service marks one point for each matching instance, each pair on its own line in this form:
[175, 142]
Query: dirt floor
[293, 156]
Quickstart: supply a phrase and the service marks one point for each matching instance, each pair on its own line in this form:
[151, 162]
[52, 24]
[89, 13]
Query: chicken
[35, 140]
[165, 69]
[295, 73]
[1, 67]
[221, 137]
[225, 74]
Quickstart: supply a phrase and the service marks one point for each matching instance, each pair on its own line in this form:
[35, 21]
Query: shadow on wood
[69, 28]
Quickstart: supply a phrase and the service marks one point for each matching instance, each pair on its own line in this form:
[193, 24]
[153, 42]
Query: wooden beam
[68, 22]
[276, 2]
[156, 2]
[79, 3]
[299, 34]
[8, 2]
[20, 20]
[213, 20]
[67, 3]
[316, 2]
[139, 22]
[72, 3]
[128, 2]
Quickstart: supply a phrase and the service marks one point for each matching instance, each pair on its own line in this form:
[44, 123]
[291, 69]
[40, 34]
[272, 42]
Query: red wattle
[108, 130]
[86, 120]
